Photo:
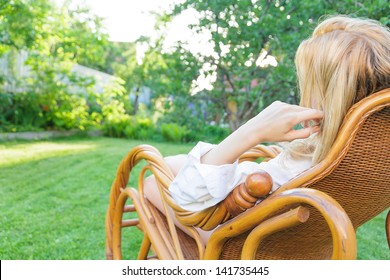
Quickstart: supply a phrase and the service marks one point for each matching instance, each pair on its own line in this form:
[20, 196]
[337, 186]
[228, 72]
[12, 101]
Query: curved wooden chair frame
[313, 216]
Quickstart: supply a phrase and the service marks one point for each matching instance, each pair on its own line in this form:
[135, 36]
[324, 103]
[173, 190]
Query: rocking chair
[313, 216]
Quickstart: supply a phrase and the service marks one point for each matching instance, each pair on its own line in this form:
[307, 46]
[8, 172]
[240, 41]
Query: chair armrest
[341, 228]
[243, 197]
[261, 151]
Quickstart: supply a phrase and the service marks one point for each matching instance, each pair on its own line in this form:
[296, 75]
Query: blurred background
[165, 70]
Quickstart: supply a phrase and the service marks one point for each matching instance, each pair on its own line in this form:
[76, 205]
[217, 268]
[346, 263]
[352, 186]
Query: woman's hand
[274, 124]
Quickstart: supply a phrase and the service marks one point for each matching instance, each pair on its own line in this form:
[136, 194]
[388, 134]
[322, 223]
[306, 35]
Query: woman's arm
[274, 124]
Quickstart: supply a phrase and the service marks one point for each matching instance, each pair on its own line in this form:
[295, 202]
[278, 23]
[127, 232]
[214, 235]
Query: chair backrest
[361, 182]
[355, 173]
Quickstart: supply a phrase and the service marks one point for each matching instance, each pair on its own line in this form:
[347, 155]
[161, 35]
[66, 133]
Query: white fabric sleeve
[198, 186]
[283, 168]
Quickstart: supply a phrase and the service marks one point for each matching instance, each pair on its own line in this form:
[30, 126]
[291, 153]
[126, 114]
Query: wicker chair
[313, 216]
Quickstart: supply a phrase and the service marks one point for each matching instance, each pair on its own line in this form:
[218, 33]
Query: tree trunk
[233, 117]
[135, 105]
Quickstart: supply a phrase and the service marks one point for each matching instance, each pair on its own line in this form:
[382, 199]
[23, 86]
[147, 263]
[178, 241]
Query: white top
[198, 186]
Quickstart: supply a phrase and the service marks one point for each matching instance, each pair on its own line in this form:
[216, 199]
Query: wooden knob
[258, 184]
[245, 195]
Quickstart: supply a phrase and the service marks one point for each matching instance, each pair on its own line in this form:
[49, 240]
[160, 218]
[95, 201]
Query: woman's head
[343, 61]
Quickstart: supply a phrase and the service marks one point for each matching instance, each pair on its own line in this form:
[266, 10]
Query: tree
[81, 34]
[153, 67]
[62, 34]
[22, 24]
[133, 74]
[244, 34]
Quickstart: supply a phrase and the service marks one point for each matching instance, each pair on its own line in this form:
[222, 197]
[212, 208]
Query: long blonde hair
[345, 60]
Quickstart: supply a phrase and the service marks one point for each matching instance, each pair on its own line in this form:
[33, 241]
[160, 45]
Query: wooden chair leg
[144, 249]
[388, 228]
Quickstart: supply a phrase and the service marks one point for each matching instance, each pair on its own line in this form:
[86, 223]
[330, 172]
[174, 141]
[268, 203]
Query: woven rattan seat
[313, 216]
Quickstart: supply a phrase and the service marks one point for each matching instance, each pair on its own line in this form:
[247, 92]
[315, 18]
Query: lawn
[54, 196]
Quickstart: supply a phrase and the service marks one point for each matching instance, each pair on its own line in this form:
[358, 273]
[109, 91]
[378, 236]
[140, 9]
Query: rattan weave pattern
[367, 163]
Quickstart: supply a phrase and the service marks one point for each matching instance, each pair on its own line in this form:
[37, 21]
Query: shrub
[140, 128]
[115, 125]
[21, 111]
[173, 132]
[131, 129]
[208, 133]
[146, 129]
[71, 112]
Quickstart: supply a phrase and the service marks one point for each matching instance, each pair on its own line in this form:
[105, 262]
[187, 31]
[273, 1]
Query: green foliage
[239, 32]
[125, 126]
[173, 132]
[5, 103]
[139, 128]
[55, 38]
[116, 125]
[112, 106]
[63, 32]
[209, 133]
[72, 112]
[145, 129]
[23, 24]
[80, 34]
[116, 120]
[32, 111]
[25, 110]
[243, 34]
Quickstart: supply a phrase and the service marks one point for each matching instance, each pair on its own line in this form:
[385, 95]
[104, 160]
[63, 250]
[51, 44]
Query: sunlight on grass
[22, 153]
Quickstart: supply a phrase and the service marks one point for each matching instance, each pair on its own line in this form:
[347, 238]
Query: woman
[345, 60]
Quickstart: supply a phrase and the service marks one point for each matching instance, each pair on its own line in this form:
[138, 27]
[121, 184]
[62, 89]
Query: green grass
[54, 196]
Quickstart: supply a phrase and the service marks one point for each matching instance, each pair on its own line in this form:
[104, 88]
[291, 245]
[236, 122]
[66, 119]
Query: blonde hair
[345, 60]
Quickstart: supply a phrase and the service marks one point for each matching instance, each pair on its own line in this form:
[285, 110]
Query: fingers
[310, 115]
[302, 133]
[306, 117]
[279, 120]
[301, 114]
[310, 123]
